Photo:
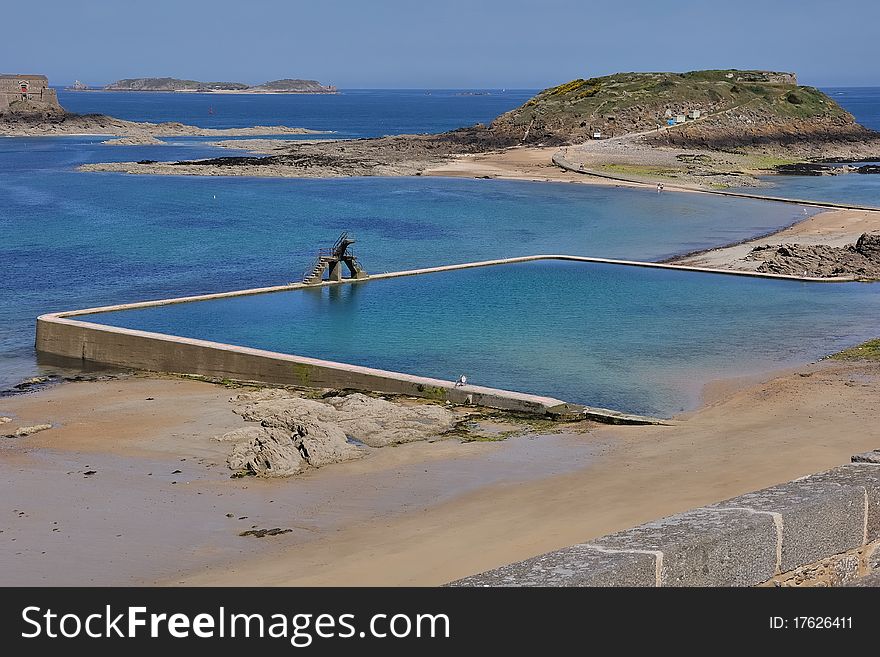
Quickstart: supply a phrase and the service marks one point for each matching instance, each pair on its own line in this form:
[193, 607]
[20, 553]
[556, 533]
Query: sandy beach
[837, 228]
[129, 486]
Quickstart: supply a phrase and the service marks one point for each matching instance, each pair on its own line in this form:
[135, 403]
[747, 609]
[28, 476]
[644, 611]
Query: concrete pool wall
[63, 335]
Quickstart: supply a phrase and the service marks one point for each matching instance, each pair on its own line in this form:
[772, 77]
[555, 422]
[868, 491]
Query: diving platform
[331, 261]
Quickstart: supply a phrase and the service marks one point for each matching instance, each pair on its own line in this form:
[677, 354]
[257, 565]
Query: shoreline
[405, 515]
[834, 225]
[837, 228]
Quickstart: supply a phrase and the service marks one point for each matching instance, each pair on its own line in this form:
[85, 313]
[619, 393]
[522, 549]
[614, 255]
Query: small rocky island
[29, 107]
[285, 86]
[706, 129]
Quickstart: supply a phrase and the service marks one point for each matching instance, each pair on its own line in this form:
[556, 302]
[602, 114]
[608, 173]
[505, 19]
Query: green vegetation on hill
[625, 103]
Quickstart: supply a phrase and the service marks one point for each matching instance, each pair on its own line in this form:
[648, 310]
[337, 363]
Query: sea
[73, 239]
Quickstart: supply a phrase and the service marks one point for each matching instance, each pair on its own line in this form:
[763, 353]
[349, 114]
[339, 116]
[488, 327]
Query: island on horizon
[284, 86]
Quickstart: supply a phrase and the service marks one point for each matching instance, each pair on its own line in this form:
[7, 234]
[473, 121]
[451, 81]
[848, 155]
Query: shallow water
[72, 240]
[632, 339]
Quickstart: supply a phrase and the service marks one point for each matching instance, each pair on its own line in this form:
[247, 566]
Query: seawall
[823, 529]
[155, 352]
[560, 160]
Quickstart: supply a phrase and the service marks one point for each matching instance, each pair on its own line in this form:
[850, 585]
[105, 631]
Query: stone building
[33, 88]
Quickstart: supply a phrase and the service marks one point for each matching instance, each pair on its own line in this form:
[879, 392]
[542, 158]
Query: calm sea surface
[72, 239]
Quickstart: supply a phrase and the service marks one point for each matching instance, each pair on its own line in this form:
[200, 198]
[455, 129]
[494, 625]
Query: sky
[438, 43]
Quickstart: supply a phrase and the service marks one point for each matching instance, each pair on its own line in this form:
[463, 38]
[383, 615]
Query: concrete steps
[317, 272]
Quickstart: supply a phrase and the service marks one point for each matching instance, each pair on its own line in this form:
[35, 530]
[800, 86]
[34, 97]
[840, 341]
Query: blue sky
[440, 43]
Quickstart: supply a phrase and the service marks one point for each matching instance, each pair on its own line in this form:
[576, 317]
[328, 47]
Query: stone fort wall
[37, 90]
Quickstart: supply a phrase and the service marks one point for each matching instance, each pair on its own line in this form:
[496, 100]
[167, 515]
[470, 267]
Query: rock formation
[861, 259]
[736, 108]
[295, 434]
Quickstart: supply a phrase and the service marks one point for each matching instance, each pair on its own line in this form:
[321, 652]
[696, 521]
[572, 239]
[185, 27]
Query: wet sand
[525, 163]
[422, 513]
[160, 500]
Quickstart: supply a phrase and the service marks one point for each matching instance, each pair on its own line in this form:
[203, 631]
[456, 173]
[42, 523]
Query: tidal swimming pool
[632, 339]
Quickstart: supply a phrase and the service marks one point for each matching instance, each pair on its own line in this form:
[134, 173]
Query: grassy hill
[739, 108]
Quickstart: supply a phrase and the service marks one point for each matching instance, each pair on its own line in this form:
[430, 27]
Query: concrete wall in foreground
[745, 541]
[108, 345]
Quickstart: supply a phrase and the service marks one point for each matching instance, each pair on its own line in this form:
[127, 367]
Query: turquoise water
[70, 240]
[633, 339]
[73, 240]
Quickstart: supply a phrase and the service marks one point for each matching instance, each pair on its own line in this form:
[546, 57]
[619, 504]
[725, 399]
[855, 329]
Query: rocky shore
[29, 125]
[403, 155]
[861, 259]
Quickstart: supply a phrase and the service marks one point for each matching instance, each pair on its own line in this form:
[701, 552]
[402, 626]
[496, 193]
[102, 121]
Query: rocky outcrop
[762, 126]
[270, 452]
[23, 432]
[65, 123]
[295, 434]
[861, 259]
[368, 420]
[718, 108]
[377, 422]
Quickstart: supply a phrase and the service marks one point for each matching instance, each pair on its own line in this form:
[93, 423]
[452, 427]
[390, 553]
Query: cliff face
[734, 108]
